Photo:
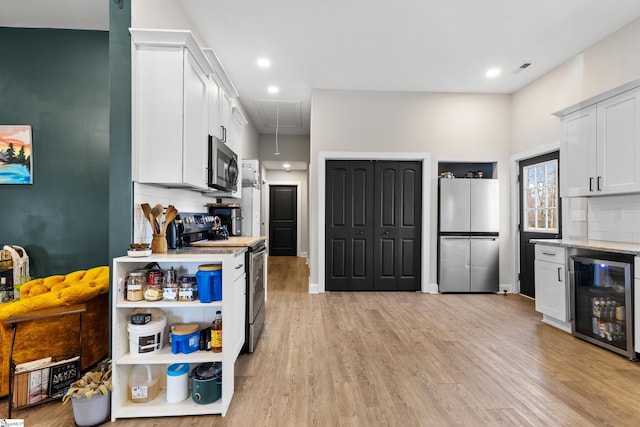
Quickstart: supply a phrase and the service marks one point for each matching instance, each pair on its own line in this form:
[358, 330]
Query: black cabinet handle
[591, 183]
[599, 183]
[559, 274]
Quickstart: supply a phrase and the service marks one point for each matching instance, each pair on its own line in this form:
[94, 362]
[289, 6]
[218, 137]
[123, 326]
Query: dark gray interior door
[540, 211]
[373, 225]
[349, 226]
[283, 225]
[398, 225]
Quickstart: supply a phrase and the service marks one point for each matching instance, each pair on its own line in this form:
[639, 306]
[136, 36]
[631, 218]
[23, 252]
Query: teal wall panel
[57, 81]
[121, 186]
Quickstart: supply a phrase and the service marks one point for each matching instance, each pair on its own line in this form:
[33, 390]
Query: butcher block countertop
[233, 241]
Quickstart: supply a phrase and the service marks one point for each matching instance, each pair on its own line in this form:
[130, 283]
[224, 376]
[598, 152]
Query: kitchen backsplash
[615, 218]
[183, 200]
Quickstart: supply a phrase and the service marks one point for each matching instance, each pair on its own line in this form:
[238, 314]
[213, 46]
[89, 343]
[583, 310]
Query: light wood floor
[409, 359]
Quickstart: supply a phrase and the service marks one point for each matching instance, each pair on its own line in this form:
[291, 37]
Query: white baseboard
[432, 288]
[505, 287]
[313, 288]
[564, 326]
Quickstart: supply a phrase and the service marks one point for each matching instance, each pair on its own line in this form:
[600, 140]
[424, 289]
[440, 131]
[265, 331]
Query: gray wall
[450, 127]
[57, 81]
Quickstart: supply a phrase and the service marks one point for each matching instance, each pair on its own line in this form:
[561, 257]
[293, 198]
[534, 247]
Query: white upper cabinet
[600, 147]
[578, 152]
[619, 143]
[225, 116]
[195, 144]
[234, 141]
[221, 91]
[214, 108]
[170, 109]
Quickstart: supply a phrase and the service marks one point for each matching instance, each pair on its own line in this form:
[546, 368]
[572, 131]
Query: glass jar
[155, 286]
[136, 283]
[188, 290]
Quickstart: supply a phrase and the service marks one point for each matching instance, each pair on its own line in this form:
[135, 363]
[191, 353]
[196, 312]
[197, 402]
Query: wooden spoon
[146, 209]
[154, 224]
[156, 211]
[169, 216]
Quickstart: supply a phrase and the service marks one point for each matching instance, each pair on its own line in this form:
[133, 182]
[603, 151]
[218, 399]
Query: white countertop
[595, 245]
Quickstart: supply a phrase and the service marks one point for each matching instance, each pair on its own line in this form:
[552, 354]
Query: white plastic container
[177, 382]
[147, 338]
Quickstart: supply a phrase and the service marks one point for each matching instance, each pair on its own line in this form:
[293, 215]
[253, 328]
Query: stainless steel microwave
[222, 166]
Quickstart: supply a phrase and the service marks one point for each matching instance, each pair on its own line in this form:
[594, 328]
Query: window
[541, 197]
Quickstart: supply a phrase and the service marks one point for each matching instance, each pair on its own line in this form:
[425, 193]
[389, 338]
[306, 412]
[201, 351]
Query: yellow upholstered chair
[55, 336]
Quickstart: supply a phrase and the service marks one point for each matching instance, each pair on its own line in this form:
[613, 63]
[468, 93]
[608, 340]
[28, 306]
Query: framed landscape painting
[15, 154]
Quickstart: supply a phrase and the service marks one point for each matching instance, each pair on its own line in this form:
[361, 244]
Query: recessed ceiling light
[264, 63]
[492, 73]
[286, 165]
[273, 89]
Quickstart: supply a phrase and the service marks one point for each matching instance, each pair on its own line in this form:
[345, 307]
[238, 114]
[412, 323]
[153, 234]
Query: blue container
[209, 281]
[185, 343]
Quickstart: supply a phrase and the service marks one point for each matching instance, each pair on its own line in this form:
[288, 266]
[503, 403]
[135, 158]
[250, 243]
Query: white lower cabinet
[552, 287]
[233, 312]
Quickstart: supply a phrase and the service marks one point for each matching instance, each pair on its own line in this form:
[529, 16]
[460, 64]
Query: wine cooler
[603, 303]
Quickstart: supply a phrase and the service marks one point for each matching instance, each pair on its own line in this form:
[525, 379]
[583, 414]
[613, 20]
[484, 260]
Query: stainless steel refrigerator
[468, 235]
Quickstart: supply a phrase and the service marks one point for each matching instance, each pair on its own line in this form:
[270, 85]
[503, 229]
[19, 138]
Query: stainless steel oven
[256, 259]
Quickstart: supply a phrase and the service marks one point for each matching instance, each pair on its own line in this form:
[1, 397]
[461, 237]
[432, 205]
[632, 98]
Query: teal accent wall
[121, 186]
[57, 81]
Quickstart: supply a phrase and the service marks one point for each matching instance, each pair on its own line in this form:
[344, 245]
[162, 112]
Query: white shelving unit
[232, 307]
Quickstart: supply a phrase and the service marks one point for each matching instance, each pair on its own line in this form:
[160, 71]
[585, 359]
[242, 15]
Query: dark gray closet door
[398, 226]
[349, 226]
[373, 225]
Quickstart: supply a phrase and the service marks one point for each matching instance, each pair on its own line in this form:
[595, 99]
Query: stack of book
[43, 379]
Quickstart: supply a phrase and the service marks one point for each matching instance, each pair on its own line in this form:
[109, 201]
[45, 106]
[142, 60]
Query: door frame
[425, 158]
[514, 186]
[298, 185]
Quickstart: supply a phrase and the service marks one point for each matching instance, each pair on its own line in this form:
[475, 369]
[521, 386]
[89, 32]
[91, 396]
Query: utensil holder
[159, 244]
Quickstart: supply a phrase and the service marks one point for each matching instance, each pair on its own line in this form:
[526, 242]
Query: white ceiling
[404, 45]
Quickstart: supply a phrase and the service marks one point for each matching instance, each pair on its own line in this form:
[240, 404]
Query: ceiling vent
[522, 67]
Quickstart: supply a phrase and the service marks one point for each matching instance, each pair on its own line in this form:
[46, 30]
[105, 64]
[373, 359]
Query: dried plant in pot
[91, 397]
